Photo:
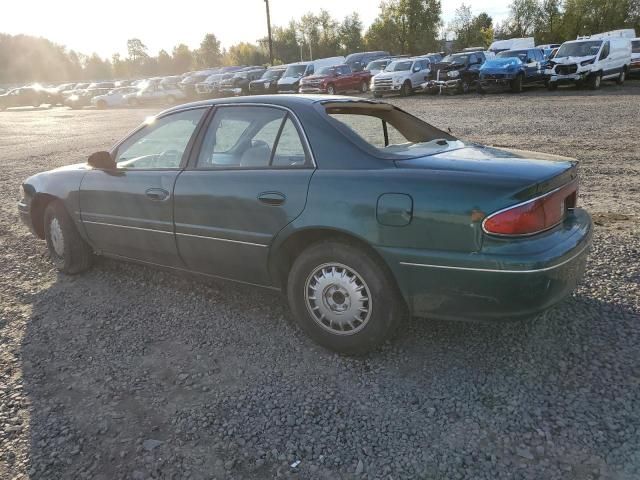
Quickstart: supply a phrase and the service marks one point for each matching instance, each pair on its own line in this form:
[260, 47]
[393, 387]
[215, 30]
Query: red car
[336, 79]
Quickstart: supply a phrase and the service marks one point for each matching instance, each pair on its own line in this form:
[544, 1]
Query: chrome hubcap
[338, 299]
[57, 239]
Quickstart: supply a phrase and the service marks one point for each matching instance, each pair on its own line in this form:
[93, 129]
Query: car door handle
[272, 198]
[157, 194]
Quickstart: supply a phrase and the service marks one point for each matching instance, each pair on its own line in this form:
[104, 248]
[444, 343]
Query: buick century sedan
[359, 211]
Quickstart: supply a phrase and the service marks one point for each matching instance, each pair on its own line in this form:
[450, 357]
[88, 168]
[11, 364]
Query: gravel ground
[128, 372]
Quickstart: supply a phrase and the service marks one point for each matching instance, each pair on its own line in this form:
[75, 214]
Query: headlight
[74, 98]
[454, 74]
[587, 62]
[397, 80]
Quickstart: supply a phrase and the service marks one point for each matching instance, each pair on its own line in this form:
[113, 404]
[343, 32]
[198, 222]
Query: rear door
[249, 181]
[128, 212]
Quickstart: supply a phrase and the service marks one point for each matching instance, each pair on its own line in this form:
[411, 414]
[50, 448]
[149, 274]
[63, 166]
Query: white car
[635, 57]
[605, 56]
[402, 76]
[115, 98]
[155, 93]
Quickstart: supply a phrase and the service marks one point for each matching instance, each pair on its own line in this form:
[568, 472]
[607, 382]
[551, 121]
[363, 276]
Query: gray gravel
[128, 372]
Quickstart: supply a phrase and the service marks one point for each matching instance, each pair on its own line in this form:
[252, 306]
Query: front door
[129, 211]
[250, 180]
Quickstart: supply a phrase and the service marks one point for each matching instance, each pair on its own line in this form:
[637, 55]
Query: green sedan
[362, 213]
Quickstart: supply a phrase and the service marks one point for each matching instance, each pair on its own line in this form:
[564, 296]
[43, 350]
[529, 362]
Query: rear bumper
[511, 281]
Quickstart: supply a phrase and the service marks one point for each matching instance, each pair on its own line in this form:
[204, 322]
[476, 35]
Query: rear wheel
[67, 250]
[331, 90]
[516, 84]
[342, 298]
[622, 77]
[594, 81]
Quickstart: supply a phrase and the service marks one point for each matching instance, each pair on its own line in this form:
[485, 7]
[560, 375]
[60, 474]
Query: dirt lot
[127, 372]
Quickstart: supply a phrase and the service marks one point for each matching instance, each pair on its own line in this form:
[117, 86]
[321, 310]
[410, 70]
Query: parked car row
[514, 63]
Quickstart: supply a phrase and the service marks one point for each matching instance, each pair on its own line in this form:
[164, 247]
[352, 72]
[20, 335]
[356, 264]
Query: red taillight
[534, 216]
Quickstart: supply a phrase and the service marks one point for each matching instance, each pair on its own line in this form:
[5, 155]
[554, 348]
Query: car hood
[311, 78]
[519, 166]
[385, 75]
[501, 63]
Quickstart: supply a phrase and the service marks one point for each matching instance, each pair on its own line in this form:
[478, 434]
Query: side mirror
[102, 160]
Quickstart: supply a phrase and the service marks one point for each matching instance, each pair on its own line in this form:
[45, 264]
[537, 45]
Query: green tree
[95, 68]
[350, 34]
[245, 53]
[406, 26]
[523, 16]
[209, 54]
[136, 49]
[548, 24]
[182, 59]
[165, 63]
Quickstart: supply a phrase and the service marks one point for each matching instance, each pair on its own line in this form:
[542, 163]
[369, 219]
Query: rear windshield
[579, 49]
[387, 131]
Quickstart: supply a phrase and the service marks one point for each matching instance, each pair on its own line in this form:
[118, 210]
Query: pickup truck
[457, 72]
[515, 69]
[336, 79]
[403, 76]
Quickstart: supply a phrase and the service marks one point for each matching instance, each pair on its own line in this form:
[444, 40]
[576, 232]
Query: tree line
[401, 27]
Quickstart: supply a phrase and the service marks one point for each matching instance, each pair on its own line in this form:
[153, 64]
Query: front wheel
[405, 91]
[331, 90]
[343, 298]
[516, 84]
[67, 249]
[594, 81]
[364, 87]
[463, 87]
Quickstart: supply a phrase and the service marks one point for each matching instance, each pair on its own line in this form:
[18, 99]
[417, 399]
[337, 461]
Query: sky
[104, 27]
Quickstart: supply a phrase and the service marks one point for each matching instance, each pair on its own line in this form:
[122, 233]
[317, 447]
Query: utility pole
[269, 33]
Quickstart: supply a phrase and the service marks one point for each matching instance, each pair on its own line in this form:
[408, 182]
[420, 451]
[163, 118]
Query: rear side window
[251, 137]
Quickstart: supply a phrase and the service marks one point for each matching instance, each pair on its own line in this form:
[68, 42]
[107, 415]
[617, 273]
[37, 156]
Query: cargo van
[358, 61]
[591, 59]
[512, 44]
[290, 80]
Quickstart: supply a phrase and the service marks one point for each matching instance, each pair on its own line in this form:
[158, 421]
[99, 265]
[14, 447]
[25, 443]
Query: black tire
[594, 81]
[463, 87]
[364, 87]
[331, 89]
[387, 309]
[377, 95]
[406, 89]
[623, 76]
[516, 84]
[552, 86]
[101, 104]
[75, 255]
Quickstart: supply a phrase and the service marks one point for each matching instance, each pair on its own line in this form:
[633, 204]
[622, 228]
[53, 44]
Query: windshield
[295, 71]
[579, 49]
[399, 66]
[635, 46]
[455, 59]
[377, 65]
[269, 74]
[521, 54]
[327, 71]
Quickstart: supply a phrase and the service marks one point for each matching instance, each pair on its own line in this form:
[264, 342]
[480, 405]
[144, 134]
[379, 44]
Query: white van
[605, 56]
[512, 44]
[290, 80]
[634, 69]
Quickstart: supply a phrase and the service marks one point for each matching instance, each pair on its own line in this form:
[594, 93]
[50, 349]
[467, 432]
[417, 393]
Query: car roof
[281, 100]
